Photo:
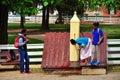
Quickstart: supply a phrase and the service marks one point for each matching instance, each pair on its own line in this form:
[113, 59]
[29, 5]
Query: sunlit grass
[11, 39]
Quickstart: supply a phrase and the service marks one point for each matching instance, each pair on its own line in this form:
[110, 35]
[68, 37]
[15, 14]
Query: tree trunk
[3, 24]
[45, 19]
[22, 22]
[60, 19]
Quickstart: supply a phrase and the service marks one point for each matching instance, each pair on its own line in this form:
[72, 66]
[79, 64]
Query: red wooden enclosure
[56, 50]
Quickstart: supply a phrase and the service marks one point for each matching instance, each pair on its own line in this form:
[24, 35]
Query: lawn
[113, 31]
[32, 41]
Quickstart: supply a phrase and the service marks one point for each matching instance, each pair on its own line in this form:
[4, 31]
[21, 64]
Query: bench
[6, 54]
[34, 52]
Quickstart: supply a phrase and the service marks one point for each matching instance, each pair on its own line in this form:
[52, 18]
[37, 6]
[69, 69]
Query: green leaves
[45, 3]
[95, 3]
[52, 1]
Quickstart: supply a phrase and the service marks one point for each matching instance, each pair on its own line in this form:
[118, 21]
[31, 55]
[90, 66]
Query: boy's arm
[100, 40]
[21, 43]
[101, 37]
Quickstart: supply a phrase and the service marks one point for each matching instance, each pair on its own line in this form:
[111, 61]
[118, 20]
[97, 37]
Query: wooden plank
[110, 62]
[29, 46]
[35, 53]
[113, 55]
[93, 71]
[10, 63]
[2, 60]
[113, 49]
[34, 47]
[112, 42]
[35, 59]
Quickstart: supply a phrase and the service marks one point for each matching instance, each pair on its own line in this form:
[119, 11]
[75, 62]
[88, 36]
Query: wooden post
[74, 34]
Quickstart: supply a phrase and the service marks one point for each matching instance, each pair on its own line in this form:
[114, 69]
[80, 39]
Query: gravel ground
[15, 75]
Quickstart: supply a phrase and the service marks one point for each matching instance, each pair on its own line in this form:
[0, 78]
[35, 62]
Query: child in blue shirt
[85, 47]
[97, 38]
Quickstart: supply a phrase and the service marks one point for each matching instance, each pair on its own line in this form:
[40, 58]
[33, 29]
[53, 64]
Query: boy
[97, 38]
[23, 40]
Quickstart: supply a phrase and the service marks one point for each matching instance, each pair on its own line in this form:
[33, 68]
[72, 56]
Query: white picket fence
[113, 52]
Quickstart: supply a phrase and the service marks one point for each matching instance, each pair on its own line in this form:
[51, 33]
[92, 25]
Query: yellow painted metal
[74, 34]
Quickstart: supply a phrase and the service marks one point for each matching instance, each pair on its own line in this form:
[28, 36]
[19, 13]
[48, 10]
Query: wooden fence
[35, 51]
[113, 51]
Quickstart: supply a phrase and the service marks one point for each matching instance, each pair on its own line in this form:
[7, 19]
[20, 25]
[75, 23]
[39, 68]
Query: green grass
[11, 39]
[111, 30]
[38, 70]
[114, 68]
[27, 25]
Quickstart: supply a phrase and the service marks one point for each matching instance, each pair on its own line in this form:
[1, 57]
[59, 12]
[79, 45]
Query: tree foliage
[24, 7]
[93, 4]
[27, 7]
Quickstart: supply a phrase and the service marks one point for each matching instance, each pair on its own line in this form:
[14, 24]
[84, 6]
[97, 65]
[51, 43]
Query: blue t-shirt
[96, 35]
[82, 41]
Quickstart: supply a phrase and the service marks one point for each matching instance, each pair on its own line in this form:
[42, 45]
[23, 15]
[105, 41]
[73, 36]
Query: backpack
[16, 42]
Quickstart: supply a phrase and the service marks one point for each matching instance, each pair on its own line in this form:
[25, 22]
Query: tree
[67, 7]
[45, 17]
[62, 6]
[25, 7]
[5, 7]
[3, 23]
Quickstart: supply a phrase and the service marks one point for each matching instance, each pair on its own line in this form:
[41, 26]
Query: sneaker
[91, 62]
[22, 72]
[28, 72]
[97, 63]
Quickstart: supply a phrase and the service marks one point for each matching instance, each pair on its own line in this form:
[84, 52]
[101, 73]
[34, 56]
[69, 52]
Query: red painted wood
[56, 50]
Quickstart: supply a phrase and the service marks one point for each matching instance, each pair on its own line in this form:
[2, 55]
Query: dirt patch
[30, 31]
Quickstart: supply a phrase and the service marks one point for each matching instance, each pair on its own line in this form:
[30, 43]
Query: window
[96, 14]
[86, 16]
[112, 11]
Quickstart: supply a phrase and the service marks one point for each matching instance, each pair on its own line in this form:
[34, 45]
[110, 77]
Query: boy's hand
[27, 40]
[99, 43]
[79, 47]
